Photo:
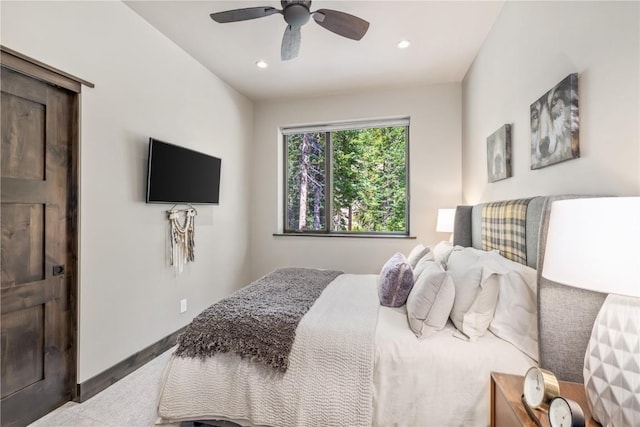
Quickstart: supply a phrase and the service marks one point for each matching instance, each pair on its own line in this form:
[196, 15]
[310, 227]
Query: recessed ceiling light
[403, 44]
[261, 64]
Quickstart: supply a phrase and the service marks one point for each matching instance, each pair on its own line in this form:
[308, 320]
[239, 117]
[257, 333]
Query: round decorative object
[540, 386]
[612, 363]
[565, 412]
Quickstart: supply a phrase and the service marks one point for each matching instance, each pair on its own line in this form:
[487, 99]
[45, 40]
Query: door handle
[58, 270]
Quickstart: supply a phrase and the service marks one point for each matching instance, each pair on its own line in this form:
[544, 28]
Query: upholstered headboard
[468, 227]
[565, 314]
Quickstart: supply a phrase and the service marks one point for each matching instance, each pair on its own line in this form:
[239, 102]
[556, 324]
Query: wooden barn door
[38, 215]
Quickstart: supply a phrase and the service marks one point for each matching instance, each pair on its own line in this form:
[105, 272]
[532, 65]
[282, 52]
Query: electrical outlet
[183, 305]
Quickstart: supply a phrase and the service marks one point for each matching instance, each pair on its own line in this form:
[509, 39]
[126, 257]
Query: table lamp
[444, 224]
[594, 244]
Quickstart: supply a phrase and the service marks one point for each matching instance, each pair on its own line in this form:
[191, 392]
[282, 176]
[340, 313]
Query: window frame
[327, 129]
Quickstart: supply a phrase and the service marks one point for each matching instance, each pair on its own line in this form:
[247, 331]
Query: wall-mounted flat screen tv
[179, 175]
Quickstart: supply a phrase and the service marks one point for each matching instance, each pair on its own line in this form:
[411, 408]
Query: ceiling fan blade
[341, 23]
[290, 43]
[243, 14]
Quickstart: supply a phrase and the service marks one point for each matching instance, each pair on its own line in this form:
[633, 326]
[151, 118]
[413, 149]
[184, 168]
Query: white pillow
[466, 274]
[442, 250]
[430, 300]
[421, 265]
[477, 286]
[416, 253]
[477, 319]
[515, 319]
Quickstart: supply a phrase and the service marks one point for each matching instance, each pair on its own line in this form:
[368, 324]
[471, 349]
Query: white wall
[145, 86]
[434, 175]
[531, 47]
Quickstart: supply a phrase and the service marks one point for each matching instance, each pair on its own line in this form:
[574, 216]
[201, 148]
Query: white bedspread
[348, 370]
[438, 381]
[324, 362]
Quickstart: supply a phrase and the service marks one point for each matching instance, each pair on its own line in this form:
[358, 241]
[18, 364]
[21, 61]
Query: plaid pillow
[503, 228]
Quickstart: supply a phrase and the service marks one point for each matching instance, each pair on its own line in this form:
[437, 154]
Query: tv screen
[179, 175]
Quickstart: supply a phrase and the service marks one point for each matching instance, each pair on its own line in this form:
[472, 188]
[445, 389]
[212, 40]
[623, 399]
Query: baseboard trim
[95, 385]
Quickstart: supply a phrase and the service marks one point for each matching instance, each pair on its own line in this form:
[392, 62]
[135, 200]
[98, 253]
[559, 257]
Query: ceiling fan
[297, 13]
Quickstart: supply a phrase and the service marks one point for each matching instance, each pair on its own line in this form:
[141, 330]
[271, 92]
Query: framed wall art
[499, 154]
[555, 124]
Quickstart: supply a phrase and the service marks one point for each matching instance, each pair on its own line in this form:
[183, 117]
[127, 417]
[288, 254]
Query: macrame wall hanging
[182, 237]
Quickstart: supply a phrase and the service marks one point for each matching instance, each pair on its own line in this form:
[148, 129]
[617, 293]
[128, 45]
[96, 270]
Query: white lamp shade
[445, 220]
[594, 244]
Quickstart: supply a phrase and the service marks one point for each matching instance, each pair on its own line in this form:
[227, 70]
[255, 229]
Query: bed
[355, 362]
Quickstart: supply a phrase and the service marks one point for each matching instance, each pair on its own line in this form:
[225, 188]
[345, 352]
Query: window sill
[357, 236]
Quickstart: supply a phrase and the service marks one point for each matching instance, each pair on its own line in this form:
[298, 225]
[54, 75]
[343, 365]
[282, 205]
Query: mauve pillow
[395, 281]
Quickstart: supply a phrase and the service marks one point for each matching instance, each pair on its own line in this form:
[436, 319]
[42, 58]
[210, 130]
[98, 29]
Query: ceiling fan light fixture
[403, 44]
[296, 13]
[261, 64]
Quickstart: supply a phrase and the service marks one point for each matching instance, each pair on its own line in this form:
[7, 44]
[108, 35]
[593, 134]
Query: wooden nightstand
[507, 409]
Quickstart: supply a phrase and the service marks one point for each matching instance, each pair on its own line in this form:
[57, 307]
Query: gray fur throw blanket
[258, 321]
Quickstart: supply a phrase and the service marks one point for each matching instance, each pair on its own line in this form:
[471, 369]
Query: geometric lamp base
[612, 363]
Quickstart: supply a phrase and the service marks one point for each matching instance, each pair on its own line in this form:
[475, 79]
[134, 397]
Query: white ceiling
[445, 37]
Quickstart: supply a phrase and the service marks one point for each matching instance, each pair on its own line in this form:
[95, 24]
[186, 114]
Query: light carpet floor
[130, 402]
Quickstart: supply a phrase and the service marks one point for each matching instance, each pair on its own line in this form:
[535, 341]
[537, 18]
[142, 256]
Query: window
[349, 178]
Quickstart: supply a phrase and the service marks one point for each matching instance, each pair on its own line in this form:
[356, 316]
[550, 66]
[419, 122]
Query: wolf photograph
[555, 124]
[499, 154]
